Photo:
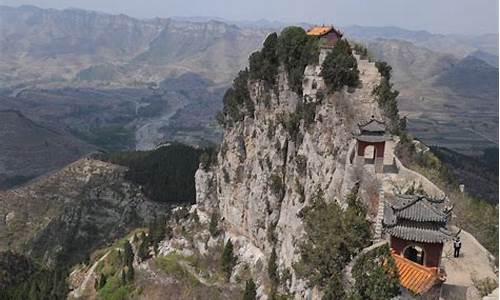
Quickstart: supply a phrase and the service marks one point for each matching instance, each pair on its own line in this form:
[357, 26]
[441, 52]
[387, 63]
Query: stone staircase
[377, 237]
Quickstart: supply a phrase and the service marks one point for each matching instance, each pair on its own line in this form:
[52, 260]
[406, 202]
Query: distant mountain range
[115, 82]
[458, 45]
[47, 46]
[450, 101]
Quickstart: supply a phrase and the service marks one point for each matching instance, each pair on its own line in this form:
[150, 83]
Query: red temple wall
[331, 36]
[432, 251]
[379, 147]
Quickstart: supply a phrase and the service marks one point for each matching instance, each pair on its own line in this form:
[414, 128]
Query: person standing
[457, 244]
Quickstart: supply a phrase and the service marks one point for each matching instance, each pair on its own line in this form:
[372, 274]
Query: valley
[446, 82]
[285, 198]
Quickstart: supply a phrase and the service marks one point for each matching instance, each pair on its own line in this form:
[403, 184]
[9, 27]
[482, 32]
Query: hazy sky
[439, 16]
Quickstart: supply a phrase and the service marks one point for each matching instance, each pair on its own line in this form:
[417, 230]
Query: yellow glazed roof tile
[319, 30]
[414, 277]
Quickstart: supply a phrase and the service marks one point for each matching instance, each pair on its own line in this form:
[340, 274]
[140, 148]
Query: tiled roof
[319, 30]
[414, 277]
[417, 218]
[417, 233]
[420, 209]
[373, 138]
[372, 126]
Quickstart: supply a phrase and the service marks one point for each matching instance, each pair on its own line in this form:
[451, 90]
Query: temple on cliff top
[328, 35]
[417, 230]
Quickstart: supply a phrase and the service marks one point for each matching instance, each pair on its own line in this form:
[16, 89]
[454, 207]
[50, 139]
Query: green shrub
[376, 275]
[250, 290]
[143, 249]
[334, 289]
[386, 98]
[228, 259]
[171, 264]
[384, 69]
[293, 49]
[296, 50]
[157, 227]
[332, 237]
[128, 254]
[264, 64]
[361, 51]
[114, 289]
[237, 97]
[214, 223]
[340, 67]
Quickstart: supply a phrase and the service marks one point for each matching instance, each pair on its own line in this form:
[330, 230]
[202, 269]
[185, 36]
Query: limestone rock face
[267, 174]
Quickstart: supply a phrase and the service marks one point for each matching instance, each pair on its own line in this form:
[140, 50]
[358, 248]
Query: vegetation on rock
[250, 290]
[166, 174]
[237, 100]
[340, 67]
[361, 51]
[115, 274]
[264, 64]
[333, 237]
[293, 49]
[296, 50]
[386, 97]
[213, 227]
[228, 259]
[21, 278]
[376, 276]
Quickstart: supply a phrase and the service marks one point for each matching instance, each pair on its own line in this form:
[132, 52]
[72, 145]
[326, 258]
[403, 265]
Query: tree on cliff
[228, 259]
[250, 290]
[128, 256]
[296, 50]
[264, 64]
[213, 227]
[376, 276]
[340, 67]
[332, 237]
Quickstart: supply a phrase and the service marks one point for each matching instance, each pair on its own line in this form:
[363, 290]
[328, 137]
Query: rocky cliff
[266, 174]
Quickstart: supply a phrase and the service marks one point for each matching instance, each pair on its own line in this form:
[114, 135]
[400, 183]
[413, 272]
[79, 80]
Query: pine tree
[376, 275]
[128, 257]
[228, 259]
[333, 237]
[124, 276]
[250, 290]
[130, 273]
[143, 250]
[340, 67]
[214, 222]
